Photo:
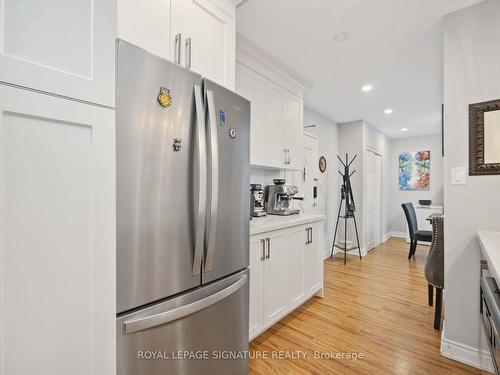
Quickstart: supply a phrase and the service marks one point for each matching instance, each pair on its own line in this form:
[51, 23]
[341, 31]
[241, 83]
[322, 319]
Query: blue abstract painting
[414, 170]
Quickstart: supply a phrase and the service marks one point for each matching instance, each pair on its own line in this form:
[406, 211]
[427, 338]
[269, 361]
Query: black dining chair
[434, 268]
[415, 234]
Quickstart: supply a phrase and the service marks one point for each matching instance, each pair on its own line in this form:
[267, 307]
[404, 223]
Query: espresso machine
[279, 196]
[257, 200]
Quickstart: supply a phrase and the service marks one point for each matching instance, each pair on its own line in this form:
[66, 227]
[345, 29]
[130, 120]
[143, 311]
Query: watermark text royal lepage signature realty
[148, 355]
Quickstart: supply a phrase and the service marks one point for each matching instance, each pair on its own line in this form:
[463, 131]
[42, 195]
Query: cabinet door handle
[268, 241]
[263, 243]
[177, 51]
[289, 158]
[188, 53]
[307, 236]
[285, 160]
[311, 234]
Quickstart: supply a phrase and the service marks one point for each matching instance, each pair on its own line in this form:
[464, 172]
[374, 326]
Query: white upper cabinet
[277, 113]
[274, 149]
[197, 34]
[59, 46]
[146, 24]
[292, 130]
[252, 86]
[57, 235]
[203, 39]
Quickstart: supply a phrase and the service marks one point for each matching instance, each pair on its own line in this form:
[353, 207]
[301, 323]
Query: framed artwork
[414, 171]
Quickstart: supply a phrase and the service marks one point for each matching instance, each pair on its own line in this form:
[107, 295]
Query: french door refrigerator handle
[214, 179]
[180, 312]
[202, 188]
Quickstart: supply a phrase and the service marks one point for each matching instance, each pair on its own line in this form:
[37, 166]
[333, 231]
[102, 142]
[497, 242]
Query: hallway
[376, 307]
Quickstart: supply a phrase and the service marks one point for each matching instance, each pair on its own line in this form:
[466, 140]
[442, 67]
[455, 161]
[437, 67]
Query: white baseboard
[386, 236]
[327, 253]
[398, 234]
[465, 354]
[349, 252]
[364, 252]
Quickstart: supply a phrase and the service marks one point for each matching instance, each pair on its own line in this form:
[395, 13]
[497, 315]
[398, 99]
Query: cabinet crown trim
[249, 54]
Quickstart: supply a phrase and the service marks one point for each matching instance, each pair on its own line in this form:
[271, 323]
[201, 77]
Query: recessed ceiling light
[367, 88]
[388, 111]
[404, 129]
[341, 37]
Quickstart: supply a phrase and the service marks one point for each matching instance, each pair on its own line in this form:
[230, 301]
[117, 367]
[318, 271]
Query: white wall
[471, 75]
[328, 188]
[351, 142]
[432, 142]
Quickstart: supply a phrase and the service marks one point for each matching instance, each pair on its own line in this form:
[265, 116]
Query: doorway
[373, 199]
[310, 174]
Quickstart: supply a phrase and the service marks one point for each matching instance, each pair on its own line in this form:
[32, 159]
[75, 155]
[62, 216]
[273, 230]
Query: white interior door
[373, 199]
[307, 177]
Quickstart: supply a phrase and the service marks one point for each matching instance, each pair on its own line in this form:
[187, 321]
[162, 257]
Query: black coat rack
[347, 199]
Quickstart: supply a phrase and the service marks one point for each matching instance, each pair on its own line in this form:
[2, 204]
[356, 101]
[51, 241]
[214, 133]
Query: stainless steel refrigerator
[182, 146]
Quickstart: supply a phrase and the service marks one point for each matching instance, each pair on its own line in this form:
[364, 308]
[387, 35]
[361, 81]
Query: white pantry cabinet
[57, 235]
[197, 34]
[276, 121]
[62, 47]
[286, 269]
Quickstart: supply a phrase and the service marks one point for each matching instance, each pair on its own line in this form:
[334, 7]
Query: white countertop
[490, 245]
[274, 222]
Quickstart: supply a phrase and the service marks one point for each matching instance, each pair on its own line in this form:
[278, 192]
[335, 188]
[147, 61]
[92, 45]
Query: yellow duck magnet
[164, 97]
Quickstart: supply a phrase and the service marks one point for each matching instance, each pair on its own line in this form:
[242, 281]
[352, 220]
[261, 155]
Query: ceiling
[393, 45]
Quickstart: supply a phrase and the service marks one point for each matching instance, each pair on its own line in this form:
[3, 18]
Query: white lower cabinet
[313, 259]
[57, 235]
[275, 301]
[294, 261]
[286, 268]
[256, 295]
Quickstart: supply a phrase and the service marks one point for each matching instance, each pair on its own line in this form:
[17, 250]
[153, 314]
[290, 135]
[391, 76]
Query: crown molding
[248, 53]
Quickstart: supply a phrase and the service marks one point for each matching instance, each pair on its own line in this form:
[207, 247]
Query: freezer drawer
[185, 335]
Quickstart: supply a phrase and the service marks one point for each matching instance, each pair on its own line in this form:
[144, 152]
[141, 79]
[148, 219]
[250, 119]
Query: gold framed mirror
[484, 138]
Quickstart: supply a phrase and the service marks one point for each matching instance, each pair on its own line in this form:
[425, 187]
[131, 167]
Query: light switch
[458, 176]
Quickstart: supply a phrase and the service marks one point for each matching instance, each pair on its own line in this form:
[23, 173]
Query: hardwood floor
[376, 307]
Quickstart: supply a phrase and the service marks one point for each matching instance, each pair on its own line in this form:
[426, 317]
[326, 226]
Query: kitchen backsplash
[265, 177]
